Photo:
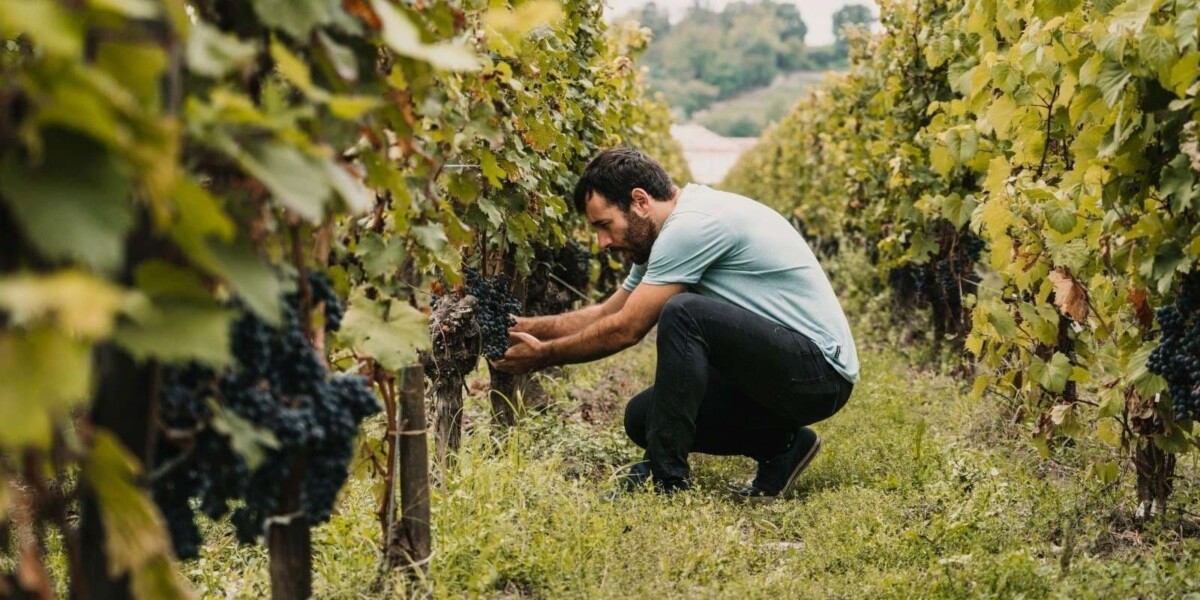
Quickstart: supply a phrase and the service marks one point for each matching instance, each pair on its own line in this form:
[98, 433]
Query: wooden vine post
[409, 542]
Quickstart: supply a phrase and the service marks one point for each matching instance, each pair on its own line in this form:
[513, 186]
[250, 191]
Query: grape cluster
[942, 280]
[571, 265]
[280, 384]
[494, 310]
[1177, 356]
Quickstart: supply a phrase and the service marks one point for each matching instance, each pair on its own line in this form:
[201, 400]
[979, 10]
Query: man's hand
[524, 325]
[525, 353]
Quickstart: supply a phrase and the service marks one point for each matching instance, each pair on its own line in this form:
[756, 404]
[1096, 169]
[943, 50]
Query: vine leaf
[213, 53]
[245, 438]
[298, 181]
[402, 35]
[136, 539]
[173, 330]
[296, 17]
[391, 331]
[80, 303]
[1141, 308]
[1069, 296]
[74, 204]
[255, 282]
[43, 373]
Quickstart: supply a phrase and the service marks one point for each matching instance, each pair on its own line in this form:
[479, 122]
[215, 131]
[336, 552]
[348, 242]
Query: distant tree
[851, 14]
[744, 46]
[655, 18]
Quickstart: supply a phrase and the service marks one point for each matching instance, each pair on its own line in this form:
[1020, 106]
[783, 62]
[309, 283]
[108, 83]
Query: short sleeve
[634, 278]
[689, 244]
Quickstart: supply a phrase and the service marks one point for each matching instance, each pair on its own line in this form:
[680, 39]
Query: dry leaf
[1141, 308]
[1069, 295]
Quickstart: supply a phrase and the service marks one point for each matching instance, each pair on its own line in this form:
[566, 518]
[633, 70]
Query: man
[753, 345]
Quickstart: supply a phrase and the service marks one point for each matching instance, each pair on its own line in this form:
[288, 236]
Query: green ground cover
[919, 492]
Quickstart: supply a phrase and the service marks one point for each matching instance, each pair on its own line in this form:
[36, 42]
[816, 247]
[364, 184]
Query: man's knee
[636, 414]
[677, 309]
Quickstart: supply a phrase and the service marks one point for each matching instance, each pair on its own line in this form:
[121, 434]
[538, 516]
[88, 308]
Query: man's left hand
[525, 353]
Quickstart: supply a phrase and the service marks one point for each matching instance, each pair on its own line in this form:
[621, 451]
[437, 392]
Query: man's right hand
[524, 325]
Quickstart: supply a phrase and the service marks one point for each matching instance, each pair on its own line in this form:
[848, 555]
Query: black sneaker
[638, 477]
[777, 475]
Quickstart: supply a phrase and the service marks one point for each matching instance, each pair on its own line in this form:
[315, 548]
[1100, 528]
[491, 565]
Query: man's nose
[605, 240]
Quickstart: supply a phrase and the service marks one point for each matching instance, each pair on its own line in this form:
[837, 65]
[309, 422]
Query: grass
[918, 492]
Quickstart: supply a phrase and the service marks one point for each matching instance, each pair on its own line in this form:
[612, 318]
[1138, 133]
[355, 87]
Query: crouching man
[753, 345]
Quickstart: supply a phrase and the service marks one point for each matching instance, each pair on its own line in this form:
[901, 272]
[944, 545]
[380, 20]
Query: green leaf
[1156, 47]
[298, 181]
[380, 256]
[1131, 16]
[159, 578]
[1174, 441]
[1111, 81]
[1056, 373]
[199, 218]
[402, 35]
[254, 281]
[1183, 74]
[43, 374]
[1005, 324]
[1073, 254]
[296, 18]
[55, 29]
[133, 9]
[357, 197]
[179, 331]
[296, 71]
[344, 62]
[389, 331]
[1105, 471]
[1178, 184]
[134, 531]
[1048, 9]
[1061, 216]
[495, 175]
[75, 204]
[1000, 113]
[212, 53]
[245, 438]
[352, 108]
[159, 279]
[137, 67]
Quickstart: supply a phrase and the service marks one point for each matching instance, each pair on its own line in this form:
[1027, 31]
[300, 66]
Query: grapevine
[1177, 356]
[280, 385]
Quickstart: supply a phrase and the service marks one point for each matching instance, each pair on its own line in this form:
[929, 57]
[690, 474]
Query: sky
[817, 14]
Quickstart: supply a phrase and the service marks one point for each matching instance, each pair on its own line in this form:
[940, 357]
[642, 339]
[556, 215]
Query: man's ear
[640, 200]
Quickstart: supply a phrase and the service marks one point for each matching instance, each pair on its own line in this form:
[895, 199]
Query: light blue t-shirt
[732, 248]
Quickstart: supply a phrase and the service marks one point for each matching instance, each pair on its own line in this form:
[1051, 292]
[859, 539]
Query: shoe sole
[791, 482]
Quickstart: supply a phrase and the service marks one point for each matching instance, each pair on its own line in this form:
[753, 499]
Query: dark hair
[615, 172]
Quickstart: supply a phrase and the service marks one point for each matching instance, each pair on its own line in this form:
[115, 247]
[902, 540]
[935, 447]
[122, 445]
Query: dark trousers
[728, 382]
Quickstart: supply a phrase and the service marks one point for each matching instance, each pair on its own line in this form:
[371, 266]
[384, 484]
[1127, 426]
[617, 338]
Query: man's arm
[552, 327]
[609, 335]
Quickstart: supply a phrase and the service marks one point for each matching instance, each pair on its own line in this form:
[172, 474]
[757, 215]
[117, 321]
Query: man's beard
[639, 238]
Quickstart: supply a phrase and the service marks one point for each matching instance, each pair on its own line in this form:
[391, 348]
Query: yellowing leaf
[43, 373]
[296, 71]
[80, 303]
[135, 533]
[352, 108]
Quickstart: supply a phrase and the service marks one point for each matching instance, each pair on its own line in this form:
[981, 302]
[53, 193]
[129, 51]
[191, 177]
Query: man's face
[630, 233]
